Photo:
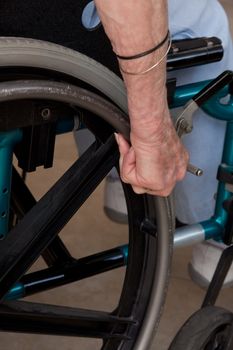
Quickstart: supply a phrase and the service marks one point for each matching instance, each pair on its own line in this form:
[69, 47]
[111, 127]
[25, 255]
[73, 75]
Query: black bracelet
[145, 53]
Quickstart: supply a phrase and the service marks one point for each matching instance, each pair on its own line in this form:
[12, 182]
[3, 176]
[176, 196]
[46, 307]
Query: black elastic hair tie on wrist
[145, 53]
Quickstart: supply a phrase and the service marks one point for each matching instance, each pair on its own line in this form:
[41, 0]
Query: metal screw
[45, 113]
[183, 127]
[188, 129]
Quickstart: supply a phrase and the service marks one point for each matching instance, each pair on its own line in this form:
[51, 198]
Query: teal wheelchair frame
[215, 227]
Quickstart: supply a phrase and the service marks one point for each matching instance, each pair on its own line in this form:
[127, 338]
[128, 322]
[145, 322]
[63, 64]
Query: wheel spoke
[59, 320]
[22, 201]
[46, 219]
[72, 271]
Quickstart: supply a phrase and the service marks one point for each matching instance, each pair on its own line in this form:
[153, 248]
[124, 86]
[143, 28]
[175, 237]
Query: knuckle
[137, 190]
[166, 192]
[162, 194]
[181, 174]
[124, 178]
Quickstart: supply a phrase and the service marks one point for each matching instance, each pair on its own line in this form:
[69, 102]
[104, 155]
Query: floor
[88, 233]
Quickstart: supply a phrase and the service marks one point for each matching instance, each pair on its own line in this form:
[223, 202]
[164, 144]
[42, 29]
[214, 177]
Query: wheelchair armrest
[194, 52]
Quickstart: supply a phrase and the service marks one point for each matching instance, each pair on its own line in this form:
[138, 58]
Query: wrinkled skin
[156, 159]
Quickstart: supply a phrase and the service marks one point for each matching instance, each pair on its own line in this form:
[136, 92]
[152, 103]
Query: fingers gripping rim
[40, 54]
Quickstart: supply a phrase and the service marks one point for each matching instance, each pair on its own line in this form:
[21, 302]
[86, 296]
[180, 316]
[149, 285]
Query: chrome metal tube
[188, 235]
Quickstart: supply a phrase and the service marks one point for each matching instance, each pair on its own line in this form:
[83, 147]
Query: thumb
[124, 149]
[122, 144]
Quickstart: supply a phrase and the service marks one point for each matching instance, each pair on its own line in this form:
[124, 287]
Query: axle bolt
[45, 113]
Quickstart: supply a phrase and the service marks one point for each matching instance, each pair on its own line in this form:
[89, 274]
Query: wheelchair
[44, 87]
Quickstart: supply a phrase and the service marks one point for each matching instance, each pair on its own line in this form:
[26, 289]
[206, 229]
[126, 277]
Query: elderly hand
[153, 164]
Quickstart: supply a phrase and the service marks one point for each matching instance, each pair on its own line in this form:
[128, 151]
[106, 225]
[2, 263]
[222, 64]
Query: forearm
[156, 159]
[134, 26]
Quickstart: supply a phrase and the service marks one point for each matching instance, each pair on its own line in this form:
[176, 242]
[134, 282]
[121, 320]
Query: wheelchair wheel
[209, 328]
[33, 69]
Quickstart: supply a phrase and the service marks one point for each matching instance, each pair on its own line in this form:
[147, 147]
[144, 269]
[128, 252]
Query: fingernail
[116, 137]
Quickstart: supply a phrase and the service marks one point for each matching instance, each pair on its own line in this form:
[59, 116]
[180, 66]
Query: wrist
[153, 130]
[144, 62]
[147, 99]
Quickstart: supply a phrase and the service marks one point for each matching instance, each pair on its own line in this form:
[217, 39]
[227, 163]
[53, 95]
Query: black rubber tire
[201, 328]
[53, 61]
